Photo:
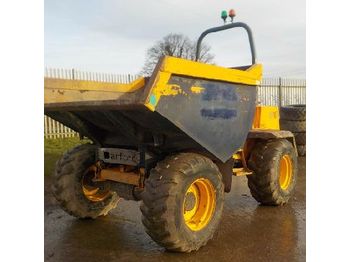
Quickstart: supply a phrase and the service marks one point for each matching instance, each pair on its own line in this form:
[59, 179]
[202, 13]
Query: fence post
[279, 91]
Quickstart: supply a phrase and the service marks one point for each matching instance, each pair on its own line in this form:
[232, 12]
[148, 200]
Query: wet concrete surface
[248, 231]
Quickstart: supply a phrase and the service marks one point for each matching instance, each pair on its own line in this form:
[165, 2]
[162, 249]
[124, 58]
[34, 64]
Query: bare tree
[177, 45]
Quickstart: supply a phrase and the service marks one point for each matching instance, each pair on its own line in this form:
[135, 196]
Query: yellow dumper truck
[172, 141]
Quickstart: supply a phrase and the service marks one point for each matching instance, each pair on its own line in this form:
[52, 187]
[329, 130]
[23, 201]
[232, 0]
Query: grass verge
[54, 148]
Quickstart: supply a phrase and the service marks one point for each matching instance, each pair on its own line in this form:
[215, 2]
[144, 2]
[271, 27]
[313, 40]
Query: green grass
[54, 148]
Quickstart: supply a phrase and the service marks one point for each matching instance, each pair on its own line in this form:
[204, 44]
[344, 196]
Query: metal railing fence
[281, 91]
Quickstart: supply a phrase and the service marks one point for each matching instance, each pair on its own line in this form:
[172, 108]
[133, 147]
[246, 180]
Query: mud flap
[226, 171]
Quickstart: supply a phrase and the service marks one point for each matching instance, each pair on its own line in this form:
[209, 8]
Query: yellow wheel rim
[91, 192]
[199, 204]
[286, 172]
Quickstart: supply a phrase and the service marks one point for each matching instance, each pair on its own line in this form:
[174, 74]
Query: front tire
[274, 166]
[72, 185]
[183, 202]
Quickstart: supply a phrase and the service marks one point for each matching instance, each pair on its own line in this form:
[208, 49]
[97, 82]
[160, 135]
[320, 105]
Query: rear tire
[274, 164]
[170, 207]
[68, 180]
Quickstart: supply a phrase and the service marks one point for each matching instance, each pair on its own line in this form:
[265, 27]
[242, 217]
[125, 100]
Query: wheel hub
[286, 172]
[90, 190]
[190, 201]
[199, 204]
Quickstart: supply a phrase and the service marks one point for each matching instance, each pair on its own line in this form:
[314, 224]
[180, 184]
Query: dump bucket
[184, 105]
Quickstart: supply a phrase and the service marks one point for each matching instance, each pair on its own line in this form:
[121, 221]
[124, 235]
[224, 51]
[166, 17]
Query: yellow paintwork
[162, 88]
[178, 66]
[286, 172]
[240, 171]
[237, 156]
[197, 89]
[94, 194]
[63, 90]
[266, 117]
[204, 197]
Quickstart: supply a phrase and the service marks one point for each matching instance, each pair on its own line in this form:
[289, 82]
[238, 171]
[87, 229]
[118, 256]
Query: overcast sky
[112, 36]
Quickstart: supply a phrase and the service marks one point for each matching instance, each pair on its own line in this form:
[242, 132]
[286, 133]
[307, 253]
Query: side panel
[65, 93]
[217, 115]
